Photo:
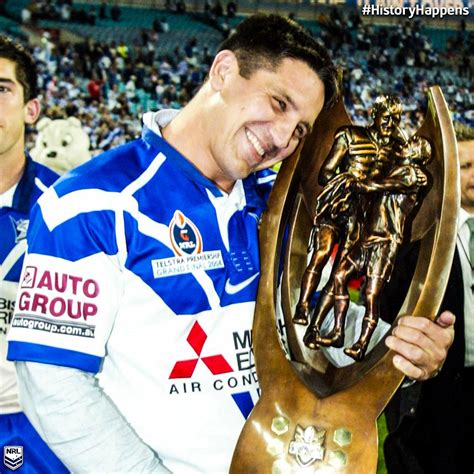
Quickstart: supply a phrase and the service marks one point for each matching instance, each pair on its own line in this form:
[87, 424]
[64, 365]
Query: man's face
[260, 121]
[466, 160]
[386, 121]
[14, 112]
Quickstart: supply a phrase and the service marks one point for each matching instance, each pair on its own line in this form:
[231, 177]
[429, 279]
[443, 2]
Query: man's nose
[283, 132]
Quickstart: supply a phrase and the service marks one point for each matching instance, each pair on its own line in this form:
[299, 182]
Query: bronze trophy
[364, 189]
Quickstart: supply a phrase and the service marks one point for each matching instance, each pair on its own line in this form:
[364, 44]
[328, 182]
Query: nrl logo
[185, 236]
[13, 457]
[20, 226]
[307, 445]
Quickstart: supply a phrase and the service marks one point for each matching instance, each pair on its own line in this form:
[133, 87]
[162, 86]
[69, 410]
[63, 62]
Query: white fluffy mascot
[61, 144]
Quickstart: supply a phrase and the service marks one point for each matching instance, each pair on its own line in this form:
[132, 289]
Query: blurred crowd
[64, 10]
[400, 60]
[108, 85]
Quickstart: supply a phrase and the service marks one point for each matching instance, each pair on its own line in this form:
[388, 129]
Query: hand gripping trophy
[364, 190]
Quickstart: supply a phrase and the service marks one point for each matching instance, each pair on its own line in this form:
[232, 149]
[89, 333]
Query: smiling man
[135, 309]
[260, 121]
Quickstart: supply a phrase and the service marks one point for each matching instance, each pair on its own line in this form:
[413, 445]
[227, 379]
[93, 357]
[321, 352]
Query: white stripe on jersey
[266, 179]
[146, 175]
[40, 185]
[208, 287]
[14, 255]
[122, 252]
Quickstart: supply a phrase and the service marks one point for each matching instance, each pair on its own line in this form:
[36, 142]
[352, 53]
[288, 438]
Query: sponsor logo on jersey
[215, 363]
[185, 236]
[236, 376]
[187, 245]
[232, 289]
[13, 457]
[7, 307]
[20, 227]
[45, 293]
[29, 277]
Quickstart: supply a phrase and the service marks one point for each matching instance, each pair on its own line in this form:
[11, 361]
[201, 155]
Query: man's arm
[80, 423]
[73, 258]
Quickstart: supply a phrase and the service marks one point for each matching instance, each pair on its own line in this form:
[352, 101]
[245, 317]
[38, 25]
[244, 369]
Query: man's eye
[300, 131]
[281, 104]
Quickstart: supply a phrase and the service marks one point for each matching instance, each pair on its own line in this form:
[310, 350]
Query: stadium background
[108, 62]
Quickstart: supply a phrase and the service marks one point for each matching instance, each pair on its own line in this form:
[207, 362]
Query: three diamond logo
[184, 369]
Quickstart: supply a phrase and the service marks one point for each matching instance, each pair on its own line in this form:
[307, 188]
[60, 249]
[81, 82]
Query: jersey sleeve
[265, 181]
[70, 287]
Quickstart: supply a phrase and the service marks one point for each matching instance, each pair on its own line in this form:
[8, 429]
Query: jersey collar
[24, 190]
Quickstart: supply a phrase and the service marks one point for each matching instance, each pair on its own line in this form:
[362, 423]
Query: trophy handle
[326, 417]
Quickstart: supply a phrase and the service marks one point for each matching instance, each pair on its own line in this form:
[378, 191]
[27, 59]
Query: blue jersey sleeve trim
[29, 352]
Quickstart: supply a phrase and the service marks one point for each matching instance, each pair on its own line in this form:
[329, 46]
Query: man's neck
[187, 136]
[12, 166]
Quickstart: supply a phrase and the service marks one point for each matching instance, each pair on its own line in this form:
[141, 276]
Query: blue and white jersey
[15, 208]
[141, 270]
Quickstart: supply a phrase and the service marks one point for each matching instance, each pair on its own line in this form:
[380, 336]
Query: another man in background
[431, 424]
[22, 181]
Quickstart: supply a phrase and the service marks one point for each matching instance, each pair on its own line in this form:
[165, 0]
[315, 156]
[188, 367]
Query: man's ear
[32, 111]
[224, 64]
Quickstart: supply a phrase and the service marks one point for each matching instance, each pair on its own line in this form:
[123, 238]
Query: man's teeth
[254, 141]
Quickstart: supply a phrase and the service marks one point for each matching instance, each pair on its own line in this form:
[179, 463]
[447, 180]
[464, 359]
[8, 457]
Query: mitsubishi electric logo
[13, 457]
[240, 383]
[215, 363]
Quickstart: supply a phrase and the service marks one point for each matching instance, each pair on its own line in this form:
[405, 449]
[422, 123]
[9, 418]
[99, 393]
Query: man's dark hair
[25, 68]
[263, 41]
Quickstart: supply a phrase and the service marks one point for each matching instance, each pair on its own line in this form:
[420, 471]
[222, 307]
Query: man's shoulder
[111, 171]
[46, 175]
[35, 180]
